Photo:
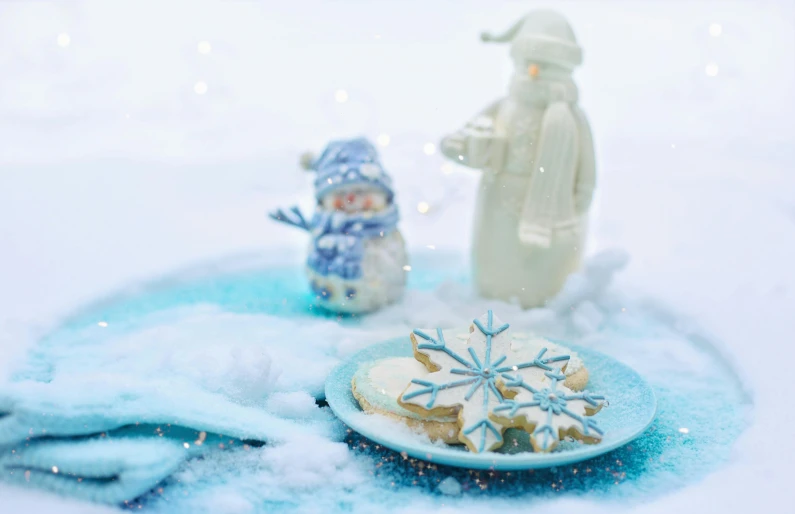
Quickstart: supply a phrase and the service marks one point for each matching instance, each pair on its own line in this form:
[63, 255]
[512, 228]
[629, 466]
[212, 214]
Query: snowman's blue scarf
[339, 237]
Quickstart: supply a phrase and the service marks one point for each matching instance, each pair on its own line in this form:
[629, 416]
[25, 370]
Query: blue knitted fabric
[338, 237]
[110, 467]
[350, 162]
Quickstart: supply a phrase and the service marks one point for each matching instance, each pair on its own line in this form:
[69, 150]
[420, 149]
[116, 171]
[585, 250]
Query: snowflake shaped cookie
[465, 377]
[548, 412]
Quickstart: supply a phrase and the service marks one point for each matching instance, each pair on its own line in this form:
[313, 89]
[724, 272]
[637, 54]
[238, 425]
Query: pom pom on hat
[306, 160]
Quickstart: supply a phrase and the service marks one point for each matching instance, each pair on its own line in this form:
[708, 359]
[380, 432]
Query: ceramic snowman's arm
[455, 144]
[473, 145]
[586, 170]
[490, 111]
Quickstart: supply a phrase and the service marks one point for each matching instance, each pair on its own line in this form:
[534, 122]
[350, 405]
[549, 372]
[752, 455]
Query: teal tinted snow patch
[212, 351]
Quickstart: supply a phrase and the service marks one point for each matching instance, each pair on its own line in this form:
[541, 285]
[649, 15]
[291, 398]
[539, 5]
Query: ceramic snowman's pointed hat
[348, 162]
[542, 36]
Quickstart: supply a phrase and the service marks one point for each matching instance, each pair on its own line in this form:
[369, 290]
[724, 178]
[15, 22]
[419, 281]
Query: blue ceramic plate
[631, 409]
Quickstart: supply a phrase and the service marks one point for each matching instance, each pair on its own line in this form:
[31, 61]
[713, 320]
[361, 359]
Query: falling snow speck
[711, 69]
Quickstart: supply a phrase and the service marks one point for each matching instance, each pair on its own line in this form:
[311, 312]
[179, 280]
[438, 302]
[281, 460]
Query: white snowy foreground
[114, 169]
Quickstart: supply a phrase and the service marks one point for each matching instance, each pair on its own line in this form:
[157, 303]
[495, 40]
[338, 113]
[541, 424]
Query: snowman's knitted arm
[586, 169]
[291, 217]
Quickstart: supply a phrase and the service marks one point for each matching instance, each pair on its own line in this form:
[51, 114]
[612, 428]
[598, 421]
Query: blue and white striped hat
[348, 162]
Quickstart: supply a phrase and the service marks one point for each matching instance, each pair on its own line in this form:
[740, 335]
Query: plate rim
[338, 402]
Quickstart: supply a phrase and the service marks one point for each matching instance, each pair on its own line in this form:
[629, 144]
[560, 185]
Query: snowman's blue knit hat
[348, 162]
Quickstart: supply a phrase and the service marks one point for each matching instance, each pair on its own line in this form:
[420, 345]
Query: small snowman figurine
[357, 258]
[536, 151]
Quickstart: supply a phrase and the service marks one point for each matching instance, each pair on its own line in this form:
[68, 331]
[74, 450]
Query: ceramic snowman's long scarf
[339, 237]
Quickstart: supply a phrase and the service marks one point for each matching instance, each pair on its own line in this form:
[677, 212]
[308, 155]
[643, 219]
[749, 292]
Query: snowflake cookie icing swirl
[469, 379]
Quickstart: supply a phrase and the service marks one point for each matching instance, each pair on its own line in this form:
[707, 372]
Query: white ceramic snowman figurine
[536, 150]
[357, 258]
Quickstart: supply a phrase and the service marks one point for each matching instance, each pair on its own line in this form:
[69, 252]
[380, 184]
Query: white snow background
[113, 169]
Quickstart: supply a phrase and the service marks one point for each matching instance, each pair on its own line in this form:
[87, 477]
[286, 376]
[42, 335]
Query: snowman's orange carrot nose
[533, 70]
[351, 197]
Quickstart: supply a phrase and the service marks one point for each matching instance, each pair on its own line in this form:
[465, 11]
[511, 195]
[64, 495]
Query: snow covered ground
[114, 168]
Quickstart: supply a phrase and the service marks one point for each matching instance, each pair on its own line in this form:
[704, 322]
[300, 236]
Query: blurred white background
[138, 136]
[115, 79]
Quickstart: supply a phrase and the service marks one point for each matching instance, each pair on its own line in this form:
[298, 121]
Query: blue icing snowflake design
[465, 377]
[547, 412]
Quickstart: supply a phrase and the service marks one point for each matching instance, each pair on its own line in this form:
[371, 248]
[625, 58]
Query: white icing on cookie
[467, 376]
[391, 376]
[381, 382]
[533, 344]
